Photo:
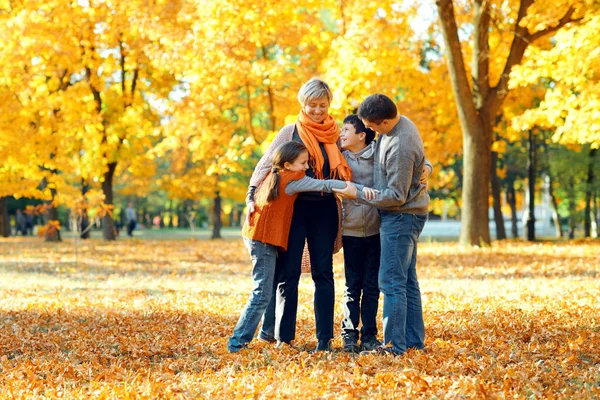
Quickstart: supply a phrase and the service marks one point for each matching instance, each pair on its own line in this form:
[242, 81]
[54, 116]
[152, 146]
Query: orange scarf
[327, 133]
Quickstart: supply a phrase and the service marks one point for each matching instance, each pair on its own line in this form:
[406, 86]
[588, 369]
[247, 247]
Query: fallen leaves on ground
[150, 319]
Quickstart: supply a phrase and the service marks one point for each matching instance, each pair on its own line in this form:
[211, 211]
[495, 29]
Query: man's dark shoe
[323, 345]
[369, 343]
[350, 345]
[379, 351]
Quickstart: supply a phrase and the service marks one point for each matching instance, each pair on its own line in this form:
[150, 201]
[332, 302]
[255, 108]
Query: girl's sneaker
[267, 339]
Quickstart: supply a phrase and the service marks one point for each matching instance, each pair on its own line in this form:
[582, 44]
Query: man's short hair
[377, 107]
[359, 126]
[314, 89]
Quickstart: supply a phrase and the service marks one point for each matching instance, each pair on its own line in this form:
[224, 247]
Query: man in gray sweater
[403, 202]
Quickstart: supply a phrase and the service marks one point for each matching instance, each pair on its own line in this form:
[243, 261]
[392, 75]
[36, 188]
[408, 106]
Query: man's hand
[249, 211]
[425, 175]
[348, 192]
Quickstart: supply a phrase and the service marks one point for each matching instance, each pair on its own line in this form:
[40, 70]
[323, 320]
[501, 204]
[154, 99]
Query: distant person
[131, 219]
[28, 223]
[21, 223]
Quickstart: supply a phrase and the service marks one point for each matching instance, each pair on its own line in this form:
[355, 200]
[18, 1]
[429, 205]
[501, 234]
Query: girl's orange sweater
[271, 221]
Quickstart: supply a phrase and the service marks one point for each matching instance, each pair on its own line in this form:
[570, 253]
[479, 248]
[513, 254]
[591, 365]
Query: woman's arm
[308, 184]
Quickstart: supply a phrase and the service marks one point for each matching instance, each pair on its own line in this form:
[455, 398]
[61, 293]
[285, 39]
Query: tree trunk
[531, 188]
[555, 214]
[474, 121]
[511, 199]
[572, 209]
[587, 226]
[52, 234]
[478, 107]
[217, 223]
[475, 228]
[108, 225]
[553, 200]
[4, 219]
[84, 233]
[497, 202]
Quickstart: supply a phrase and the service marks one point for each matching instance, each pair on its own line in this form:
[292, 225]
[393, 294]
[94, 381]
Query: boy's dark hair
[377, 107]
[360, 127]
[287, 152]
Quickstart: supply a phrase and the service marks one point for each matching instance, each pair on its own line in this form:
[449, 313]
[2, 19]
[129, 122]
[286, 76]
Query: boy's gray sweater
[360, 220]
[398, 163]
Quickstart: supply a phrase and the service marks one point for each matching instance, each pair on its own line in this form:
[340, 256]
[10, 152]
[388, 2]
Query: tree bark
[531, 188]
[555, 214]
[475, 195]
[511, 199]
[595, 212]
[217, 223]
[587, 226]
[476, 134]
[572, 209]
[478, 107]
[497, 202]
[85, 222]
[108, 225]
[4, 219]
[553, 200]
[51, 234]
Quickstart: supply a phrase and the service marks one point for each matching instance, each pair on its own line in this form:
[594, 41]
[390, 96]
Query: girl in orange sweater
[268, 228]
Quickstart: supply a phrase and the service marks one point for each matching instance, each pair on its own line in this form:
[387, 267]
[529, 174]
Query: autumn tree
[479, 99]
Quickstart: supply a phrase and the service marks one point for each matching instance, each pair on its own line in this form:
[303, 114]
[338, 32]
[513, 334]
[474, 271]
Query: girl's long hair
[287, 152]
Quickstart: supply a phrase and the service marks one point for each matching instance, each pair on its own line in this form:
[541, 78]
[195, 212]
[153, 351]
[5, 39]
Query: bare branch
[567, 18]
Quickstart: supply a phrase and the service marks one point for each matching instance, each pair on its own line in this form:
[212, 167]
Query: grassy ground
[150, 319]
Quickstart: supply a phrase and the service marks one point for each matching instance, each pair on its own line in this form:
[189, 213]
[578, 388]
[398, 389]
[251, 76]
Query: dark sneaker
[369, 343]
[350, 346]
[266, 339]
[378, 351]
[323, 345]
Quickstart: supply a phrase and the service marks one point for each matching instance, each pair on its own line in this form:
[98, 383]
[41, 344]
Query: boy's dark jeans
[361, 267]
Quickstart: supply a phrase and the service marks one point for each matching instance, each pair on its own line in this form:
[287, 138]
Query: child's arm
[308, 184]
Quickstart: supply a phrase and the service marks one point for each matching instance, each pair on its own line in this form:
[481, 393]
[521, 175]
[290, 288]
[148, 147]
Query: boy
[403, 202]
[360, 241]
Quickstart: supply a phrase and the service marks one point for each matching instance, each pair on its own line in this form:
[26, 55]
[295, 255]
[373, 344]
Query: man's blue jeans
[403, 325]
[264, 257]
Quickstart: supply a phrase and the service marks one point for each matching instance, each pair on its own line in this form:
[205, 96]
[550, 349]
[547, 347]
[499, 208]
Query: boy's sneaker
[350, 345]
[369, 343]
[267, 339]
[323, 345]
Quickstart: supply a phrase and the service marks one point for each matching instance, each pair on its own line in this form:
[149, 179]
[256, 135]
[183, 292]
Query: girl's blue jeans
[264, 257]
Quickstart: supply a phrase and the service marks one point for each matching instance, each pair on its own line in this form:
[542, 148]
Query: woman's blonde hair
[314, 89]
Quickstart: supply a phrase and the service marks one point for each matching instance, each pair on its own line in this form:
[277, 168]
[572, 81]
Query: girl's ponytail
[273, 184]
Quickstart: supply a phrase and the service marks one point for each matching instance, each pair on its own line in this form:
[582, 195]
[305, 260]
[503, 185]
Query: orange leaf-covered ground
[150, 319]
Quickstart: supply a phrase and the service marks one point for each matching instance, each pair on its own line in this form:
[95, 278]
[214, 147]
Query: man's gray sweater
[399, 161]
